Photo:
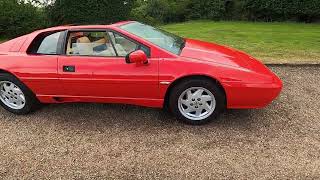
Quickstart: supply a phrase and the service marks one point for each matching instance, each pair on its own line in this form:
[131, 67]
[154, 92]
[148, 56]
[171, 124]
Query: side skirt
[154, 103]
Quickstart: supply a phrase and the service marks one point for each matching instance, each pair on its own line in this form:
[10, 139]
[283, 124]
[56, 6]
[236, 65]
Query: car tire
[197, 101]
[15, 97]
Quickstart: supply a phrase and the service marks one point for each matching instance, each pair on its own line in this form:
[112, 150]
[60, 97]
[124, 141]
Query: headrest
[83, 39]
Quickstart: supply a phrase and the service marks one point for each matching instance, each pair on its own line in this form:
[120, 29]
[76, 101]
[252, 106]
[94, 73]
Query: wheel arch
[31, 100]
[184, 78]
[3, 71]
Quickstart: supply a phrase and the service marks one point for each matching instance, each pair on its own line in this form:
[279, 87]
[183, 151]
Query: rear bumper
[248, 96]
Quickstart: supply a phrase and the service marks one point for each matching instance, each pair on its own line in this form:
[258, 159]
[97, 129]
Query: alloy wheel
[196, 103]
[11, 95]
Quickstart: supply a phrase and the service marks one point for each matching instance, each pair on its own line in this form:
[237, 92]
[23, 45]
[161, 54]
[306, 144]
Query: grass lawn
[269, 42]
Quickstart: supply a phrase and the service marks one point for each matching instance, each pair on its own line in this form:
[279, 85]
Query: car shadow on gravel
[109, 115]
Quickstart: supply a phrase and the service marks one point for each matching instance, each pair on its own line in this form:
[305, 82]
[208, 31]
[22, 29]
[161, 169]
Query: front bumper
[251, 95]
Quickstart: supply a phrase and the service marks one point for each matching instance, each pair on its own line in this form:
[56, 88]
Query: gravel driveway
[102, 141]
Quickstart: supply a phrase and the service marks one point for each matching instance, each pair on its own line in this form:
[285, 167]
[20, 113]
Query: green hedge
[282, 10]
[88, 12]
[206, 9]
[253, 10]
[159, 11]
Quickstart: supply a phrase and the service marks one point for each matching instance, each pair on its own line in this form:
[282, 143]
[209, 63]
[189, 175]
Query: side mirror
[137, 57]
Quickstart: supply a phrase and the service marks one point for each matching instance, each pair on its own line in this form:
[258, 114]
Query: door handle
[69, 69]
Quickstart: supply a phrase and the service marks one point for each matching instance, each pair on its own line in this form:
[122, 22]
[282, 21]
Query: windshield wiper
[183, 44]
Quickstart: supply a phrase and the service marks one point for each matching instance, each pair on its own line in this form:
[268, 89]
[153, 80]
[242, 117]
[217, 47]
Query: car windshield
[158, 37]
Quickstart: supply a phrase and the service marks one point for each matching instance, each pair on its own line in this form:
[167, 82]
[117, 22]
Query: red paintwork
[246, 82]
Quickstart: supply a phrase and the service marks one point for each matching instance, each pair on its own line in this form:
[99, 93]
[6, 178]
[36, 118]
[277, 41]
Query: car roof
[73, 27]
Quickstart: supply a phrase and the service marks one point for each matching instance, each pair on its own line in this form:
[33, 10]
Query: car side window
[124, 46]
[45, 43]
[92, 43]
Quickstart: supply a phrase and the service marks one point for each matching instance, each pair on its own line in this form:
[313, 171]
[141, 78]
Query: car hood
[218, 54]
[211, 52]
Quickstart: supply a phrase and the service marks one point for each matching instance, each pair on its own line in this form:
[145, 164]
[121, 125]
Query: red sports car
[131, 63]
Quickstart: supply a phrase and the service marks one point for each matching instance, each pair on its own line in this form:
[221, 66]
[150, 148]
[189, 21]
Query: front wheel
[197, 101]
[15, 96]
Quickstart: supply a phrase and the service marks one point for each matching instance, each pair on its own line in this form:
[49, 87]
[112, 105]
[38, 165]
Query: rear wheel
[15, 96]
[197, 101]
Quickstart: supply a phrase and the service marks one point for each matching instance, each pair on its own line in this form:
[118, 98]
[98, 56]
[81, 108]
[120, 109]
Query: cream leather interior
[69, 50]
[102, 41]
[80, 44]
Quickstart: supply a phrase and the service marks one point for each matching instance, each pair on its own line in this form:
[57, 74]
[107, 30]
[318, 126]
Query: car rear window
[46, 43]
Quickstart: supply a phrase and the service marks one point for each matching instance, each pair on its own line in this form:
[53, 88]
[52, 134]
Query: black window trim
[114, 47]
[61, 42]
[67, 33]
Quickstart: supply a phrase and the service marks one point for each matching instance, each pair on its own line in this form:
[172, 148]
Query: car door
[94, 67]
[39, 70]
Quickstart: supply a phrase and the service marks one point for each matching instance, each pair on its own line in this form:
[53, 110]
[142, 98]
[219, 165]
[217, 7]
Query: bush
[177, 11]
[141, 12]
[159, 11]
[306, 10]
[18, 18]
[206, 9]
[89, 12]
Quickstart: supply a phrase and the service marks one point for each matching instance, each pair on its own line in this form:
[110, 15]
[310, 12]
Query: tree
[206, 9]
[18, 18]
